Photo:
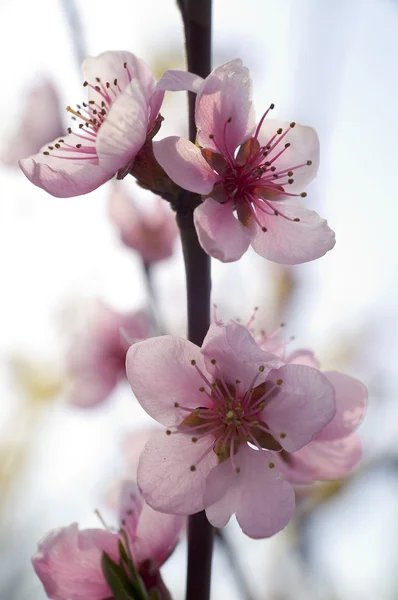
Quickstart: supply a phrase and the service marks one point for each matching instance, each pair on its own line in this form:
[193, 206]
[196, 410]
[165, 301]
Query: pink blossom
[68, 561]
[123, 105]
[251, 178]
[228, 408]
[40, 121]
[96, 359]
[336, 449]
[151, 233]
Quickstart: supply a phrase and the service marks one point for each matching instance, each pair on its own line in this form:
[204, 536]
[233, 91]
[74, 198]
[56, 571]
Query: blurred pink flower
[68, 561]
[251, 195]
[96, 359]
[123, 105]
[40, 121]
[152, 234]
[335, 450]
[215, 401]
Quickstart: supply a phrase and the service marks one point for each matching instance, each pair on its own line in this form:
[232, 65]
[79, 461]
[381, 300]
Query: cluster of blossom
[244, 420]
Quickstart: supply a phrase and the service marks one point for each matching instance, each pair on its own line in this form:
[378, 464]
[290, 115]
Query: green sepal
[121, 586]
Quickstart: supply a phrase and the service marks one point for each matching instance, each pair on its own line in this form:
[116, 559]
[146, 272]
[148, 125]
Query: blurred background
[69, 276]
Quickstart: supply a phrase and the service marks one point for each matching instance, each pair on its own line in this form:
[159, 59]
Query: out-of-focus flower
[68, 561]
[229, 407]
[96, 359]
[39, 382]
[251, 178]
[40, 121]
[132, 446]
[152, 234]
[124, 100]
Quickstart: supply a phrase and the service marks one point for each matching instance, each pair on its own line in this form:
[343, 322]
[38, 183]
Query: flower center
[233, 416]
[92, 114]
[250, 178]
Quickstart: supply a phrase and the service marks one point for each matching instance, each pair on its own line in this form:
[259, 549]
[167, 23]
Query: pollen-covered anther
[194, 440]
[292, 124]
[213, 361]
[271, 465]
[279, 381]
[282, 435]
[309, 163]
[296, 220]
[176, 405]
[303, 194]
[193, 362]
[192, 468]
[261, 368]
[168, 432]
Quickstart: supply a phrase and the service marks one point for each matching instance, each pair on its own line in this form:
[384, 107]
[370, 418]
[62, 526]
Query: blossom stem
[234, 564]
[152, 300]
[72, 16]
[197, 27]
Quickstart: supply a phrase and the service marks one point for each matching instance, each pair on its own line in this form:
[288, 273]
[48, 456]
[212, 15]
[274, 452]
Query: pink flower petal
[176, 81]
[225, 94]
[68, 563]
[237, 355]
[303, 357]
[63, 178]
[184, 164]
[303, 405]
[351, 402]
[109, 66]
[293, 469]
[165, 477]
[290, 242]
[156, 536]
[131, 504]
[220, 234]
[304, 146]
[124, 130]
[259, 496]
[330, 460]
[161, 374]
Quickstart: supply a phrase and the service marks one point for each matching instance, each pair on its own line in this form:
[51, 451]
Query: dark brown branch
[196, 16]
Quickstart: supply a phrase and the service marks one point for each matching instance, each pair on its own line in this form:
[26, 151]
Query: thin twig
[229, 550]
[76, 29]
